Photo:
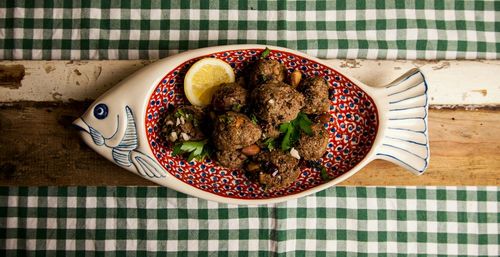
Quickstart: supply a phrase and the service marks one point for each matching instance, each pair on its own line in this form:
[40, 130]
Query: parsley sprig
[254, 119]
[236, 107]
[265, 53]
[292, 129]
[322, 171]
[198, 150]
[180, 113]
[270, 143]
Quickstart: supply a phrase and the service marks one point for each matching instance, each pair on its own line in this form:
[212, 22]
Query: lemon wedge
[204, 77]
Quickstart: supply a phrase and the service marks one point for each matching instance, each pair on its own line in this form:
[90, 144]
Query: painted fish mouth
[81, 126]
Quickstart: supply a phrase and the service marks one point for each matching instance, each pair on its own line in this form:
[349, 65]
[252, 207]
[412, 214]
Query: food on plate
[185, 123]
[274, 169]
[313, 146]
[315, 91]
[204, 77]
[229, 96]
[258, 124]
[233, 159]
[265, 71]
[295, 78]
[276, 102]
[270, 131]
[234, 130]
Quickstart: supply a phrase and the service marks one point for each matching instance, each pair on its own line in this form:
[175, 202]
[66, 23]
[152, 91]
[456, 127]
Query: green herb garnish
[322, 171]
[236, 107]
[177, 150]
[324, 175]
[270, 143]
[198, 150]
[265, 53]
[290, 137]
[254, 119]
[304, 123]
[179, 113]
[226, 119]
[292, 130]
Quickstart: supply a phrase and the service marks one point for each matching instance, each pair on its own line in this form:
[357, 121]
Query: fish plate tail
[406, 138]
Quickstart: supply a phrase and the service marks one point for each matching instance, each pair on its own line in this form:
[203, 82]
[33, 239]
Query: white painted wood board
[450, 82]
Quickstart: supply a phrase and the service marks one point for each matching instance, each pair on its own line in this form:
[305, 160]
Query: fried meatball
[229, 96]
[276, 103]
[312, 147]
[233, 131]
[184, 124]
[266, 71]
[274, 169]
[230, 159]
[315, 91]
[270, 131]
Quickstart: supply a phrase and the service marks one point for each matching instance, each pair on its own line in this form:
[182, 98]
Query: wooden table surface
[39, 100]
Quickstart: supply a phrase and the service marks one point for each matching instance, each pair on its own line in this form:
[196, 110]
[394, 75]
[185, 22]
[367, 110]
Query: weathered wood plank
[451, 82]
[465, 150]
[38, 146]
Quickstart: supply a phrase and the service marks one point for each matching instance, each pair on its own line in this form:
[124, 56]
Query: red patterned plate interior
[352, 128]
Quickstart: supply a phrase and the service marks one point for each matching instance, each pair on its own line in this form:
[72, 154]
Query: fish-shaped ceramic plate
[366, 123]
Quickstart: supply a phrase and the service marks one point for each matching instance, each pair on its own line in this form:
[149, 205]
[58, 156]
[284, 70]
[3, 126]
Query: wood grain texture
[459, 82]
[38, 146]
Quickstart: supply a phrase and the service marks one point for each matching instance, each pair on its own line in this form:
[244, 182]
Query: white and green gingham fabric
[340, 221]
[422, 29]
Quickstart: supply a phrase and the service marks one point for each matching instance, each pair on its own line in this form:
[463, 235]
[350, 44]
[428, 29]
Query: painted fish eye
[101, 111]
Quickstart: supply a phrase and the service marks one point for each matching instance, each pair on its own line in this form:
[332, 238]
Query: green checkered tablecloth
[340, 221]
[423, 29]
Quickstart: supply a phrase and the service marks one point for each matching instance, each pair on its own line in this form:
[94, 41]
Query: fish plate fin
[405, 140]
[146, 166]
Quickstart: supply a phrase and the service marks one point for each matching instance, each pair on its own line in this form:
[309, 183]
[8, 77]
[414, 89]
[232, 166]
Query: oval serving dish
[366, 123]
